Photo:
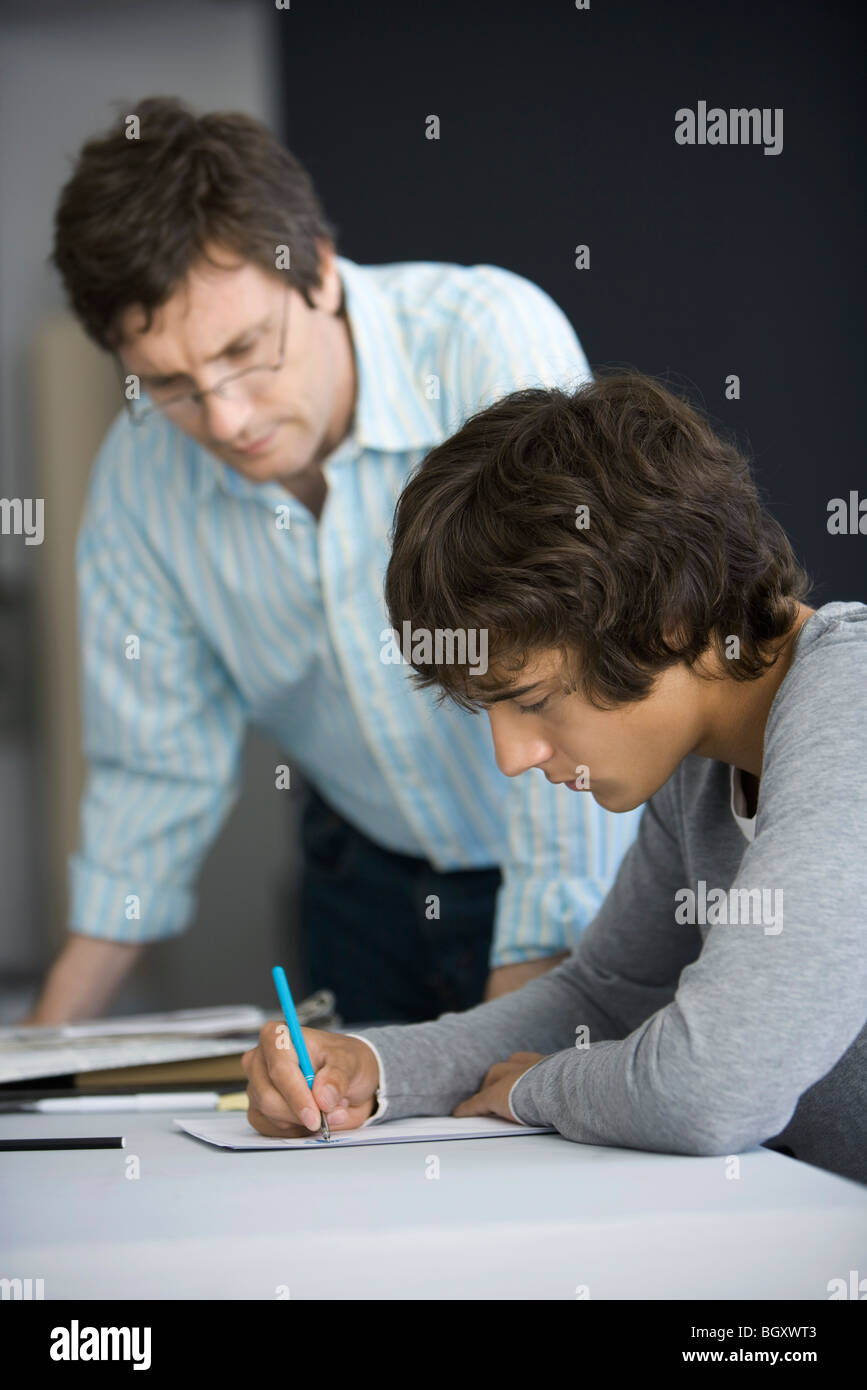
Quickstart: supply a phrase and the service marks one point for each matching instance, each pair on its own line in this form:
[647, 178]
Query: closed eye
[534, 709]
[165, 383]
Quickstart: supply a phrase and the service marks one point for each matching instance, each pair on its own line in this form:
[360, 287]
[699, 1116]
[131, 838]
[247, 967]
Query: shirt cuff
[380, 1097]
[122, 909]
[534, 1119]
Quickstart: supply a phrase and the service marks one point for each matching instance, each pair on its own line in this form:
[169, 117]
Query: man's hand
[493, 1098]
[282, 1104]
[505, 978]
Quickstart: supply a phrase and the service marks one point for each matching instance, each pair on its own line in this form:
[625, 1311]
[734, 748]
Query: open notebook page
[234, 1131]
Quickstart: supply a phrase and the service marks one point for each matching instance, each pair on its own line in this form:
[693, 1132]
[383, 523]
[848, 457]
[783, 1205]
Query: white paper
[235, 1132]
[232, 1018]
[22, 1061]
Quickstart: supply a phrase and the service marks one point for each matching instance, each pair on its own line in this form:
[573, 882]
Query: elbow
[709, 1135]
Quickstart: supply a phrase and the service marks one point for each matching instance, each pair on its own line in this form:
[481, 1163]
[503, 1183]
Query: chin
[264, 469]
[617, 800]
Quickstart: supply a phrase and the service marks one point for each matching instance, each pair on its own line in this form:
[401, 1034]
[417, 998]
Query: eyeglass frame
[197, 396]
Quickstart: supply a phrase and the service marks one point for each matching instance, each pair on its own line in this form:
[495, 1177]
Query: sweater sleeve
[624, 967]
[779, 991]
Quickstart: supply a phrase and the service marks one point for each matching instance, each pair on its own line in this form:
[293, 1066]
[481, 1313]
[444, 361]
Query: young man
[231, 562]
[659, 649]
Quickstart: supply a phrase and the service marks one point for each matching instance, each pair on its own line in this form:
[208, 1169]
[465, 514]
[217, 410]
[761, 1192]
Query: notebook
[234, 1131]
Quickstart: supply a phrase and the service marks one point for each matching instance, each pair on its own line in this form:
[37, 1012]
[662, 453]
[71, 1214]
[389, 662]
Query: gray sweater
[718, 1000]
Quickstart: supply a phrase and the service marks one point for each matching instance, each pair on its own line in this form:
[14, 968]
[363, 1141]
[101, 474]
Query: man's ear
[329, 295]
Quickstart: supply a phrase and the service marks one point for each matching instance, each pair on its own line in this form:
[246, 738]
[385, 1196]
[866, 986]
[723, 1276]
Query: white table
[523, 1218]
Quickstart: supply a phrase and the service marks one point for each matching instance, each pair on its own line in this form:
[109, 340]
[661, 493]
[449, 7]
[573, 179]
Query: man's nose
[224, 416]
[515, 749]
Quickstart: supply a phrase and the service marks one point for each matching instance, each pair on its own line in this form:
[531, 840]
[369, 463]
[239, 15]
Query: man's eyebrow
[238, 338]
[512, 694]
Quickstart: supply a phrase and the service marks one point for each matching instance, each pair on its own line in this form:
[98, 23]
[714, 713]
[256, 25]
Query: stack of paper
[142, 1041]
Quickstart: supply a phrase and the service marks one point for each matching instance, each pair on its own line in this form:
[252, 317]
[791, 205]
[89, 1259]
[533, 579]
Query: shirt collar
[746, 824]
[391, 412]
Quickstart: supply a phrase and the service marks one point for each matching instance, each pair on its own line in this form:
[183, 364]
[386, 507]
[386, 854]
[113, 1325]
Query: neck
[342, 362]
[347, 388]
[738, 710]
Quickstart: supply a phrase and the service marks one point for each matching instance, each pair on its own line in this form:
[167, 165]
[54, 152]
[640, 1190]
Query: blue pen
[287, 1004]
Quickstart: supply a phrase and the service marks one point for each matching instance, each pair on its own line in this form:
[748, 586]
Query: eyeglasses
[177, 405]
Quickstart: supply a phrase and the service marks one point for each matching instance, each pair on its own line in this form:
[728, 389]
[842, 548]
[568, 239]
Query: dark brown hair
[676, 556]
[136, 214]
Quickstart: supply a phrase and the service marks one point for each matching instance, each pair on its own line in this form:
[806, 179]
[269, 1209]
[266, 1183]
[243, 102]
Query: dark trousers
[371, 934]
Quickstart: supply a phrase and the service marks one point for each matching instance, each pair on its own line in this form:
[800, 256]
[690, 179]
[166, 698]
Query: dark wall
[557, 128]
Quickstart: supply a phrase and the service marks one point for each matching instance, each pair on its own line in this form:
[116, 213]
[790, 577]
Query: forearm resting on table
[83, 979]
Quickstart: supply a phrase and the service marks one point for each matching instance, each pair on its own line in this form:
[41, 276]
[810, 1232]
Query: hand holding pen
[288, 1071]
[287, 1004]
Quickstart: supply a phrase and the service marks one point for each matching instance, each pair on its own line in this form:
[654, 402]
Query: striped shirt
[209, 603]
